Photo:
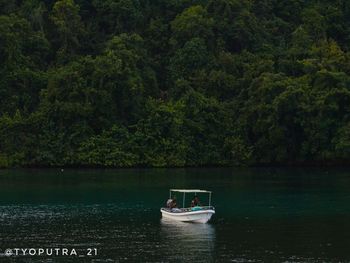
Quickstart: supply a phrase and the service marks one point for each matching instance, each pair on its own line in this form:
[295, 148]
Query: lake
[262, 215]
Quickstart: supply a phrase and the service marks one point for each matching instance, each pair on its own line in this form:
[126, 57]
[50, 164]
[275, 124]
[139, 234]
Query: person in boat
[171, 203]
[195, 201]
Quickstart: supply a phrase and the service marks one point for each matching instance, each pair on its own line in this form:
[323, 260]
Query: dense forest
[154, 83]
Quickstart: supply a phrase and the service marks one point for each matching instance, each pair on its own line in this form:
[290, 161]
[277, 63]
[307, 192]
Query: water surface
[262, 215]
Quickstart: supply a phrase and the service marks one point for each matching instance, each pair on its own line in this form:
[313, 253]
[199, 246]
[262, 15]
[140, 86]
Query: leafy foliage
[124, 83]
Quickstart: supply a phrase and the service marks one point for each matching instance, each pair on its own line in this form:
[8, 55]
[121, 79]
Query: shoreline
[324, 164]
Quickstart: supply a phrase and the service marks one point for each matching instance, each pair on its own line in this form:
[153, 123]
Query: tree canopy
[124, 83]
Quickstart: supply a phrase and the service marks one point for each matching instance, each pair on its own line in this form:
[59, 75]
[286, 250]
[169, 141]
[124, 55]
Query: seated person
[168, 202]
[195, 201]
[171, 203]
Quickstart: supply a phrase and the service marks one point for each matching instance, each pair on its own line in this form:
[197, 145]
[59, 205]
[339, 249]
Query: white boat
[197, 214]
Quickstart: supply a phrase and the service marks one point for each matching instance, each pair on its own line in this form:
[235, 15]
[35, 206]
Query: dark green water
[262, 215]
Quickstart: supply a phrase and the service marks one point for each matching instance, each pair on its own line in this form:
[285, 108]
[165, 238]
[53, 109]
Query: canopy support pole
[183, 202]
[209, 198]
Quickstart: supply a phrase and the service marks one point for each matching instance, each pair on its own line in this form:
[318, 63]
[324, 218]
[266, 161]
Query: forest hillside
[171, 83]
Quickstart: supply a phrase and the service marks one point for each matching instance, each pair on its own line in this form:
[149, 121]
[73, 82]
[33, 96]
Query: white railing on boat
[188, 209]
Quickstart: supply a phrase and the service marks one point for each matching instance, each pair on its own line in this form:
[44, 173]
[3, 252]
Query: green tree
[235, 25]
[206, 125]
[34, 11]
[314, 23]
[188, 60]
[22, 55]
[118, 16]
[193, 22]
[69, 29]
[160, 136]
[114, 148]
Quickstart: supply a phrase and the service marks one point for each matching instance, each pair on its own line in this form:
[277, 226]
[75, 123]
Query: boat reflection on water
[184, 242]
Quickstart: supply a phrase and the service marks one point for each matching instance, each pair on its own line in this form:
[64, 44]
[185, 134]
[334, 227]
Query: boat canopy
[184, 191]
[190, 191]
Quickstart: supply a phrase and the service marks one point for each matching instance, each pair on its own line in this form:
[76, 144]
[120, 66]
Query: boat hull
[201, 216]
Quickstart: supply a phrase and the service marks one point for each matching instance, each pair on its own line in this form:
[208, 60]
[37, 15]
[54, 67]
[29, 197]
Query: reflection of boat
[183, 242]
[197, 214]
